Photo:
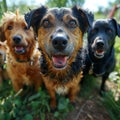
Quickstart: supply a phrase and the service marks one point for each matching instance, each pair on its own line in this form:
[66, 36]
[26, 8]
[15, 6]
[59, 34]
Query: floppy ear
[117, 26]
[84, 17]
[34, 17]
[2, 35]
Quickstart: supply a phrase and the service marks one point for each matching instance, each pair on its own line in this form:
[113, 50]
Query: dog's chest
[61, 90]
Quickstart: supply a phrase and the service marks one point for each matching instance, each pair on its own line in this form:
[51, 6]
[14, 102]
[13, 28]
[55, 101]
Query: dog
[100, 57]
[3, 72]
[60, 36]
[22, 55]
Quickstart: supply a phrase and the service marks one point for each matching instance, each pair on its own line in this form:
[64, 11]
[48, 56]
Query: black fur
[75, 68]
[33, 18]
[105, 31]
[84, 17]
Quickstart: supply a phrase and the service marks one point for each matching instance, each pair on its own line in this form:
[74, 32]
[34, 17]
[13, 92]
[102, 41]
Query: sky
[92, 5]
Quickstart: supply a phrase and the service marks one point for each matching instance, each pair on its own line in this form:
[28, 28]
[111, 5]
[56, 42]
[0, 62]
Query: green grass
[30, 106]
[26, 108]
[112, 106]
[88, 85]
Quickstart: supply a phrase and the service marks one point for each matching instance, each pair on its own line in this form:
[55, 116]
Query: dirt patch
[91, 109]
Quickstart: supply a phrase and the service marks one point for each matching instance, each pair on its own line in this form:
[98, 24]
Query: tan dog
[3, 72]
[22, 55]
[60, 36]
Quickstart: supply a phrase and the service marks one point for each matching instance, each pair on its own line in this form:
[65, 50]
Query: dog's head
[101, 36]
[19, 39]
[60, 33]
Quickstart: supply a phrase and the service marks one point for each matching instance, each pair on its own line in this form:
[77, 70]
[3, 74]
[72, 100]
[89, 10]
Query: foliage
[30, 106]
[113, 107]
[21, 5]
[63, 3]
[90, 81]
[27, 108]
[63, 108]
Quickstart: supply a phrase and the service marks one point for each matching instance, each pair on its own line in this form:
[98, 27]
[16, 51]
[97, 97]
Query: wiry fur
[23, 68]
[48, 23]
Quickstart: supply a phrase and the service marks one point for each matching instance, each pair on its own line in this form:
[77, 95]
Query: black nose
[100, 43]
[60, 41]
[17, 39]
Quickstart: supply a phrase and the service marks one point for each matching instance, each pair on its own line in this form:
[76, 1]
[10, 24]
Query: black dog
[100, 58]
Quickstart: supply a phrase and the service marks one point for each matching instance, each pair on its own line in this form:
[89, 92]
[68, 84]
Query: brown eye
[95, 30]
[72, 24]
[46, 24]
[108, 30]
[9, 27]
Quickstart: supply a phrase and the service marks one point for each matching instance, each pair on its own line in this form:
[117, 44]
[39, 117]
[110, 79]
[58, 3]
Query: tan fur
[54, 85]
[3, 72]
[71, 88]
[23, 69]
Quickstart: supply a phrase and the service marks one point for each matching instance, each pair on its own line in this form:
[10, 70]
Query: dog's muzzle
[99, 49]
[19, 49]
[59, 43]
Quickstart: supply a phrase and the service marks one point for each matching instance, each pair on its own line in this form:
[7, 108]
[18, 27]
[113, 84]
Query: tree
[64, 3]
[5, 5]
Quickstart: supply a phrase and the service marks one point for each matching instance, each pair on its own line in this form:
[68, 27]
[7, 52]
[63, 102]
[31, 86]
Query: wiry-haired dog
[22, 55]
[60, 36]
[100, 59]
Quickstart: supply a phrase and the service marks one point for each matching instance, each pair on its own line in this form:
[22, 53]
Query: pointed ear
[116, 25]
[2, 35]
[34, 17]
[85, 18]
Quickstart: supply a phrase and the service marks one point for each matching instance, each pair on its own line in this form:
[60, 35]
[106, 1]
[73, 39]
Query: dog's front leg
[49, 84]
[73, 93]
[17, 86]
[52, 99]
[102, 87]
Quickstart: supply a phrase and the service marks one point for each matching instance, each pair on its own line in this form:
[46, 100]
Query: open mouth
[59, 61]
[99, 53]
[19, 49]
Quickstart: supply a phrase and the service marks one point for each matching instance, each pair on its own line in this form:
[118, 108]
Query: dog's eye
[25, 28]
[95, 30]
[9, 27]
[108, 30]
[72, 24]
[46, 24]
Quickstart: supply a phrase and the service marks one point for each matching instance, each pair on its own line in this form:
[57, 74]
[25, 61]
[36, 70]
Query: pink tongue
[18, 48]
[99, 51]
[59, 61]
